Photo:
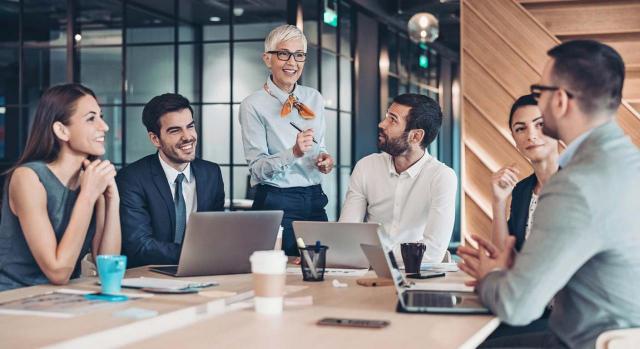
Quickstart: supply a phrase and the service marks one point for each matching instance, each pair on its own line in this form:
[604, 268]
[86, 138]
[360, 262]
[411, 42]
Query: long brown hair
[57, 104]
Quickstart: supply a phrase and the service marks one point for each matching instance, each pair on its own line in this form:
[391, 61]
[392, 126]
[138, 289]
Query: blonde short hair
[283, 33]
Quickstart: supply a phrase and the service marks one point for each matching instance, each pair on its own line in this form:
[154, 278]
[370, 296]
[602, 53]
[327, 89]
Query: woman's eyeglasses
[286, 55]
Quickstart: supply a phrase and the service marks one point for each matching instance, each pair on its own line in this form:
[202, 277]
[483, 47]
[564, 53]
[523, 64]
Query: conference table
[223, 317]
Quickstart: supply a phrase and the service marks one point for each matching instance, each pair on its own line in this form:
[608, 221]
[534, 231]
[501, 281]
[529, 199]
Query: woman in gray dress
[60, 200]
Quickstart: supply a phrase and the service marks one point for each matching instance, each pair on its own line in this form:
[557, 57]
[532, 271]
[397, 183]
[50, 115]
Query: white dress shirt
[188, 185]
[415, 205]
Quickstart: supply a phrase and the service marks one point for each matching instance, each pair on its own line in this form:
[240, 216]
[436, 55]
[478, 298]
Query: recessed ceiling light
[78, 37]
[215, 19]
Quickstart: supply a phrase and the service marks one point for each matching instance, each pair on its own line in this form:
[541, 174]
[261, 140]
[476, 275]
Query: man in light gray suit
[584, 246]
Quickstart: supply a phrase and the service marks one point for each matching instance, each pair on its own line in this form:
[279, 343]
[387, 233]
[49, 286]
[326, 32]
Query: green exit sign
[423, 61]
[330, 17]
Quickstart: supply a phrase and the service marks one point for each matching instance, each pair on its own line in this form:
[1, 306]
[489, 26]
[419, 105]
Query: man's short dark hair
[522, 101]
[592, 71]
[160, 105]
[425, 114]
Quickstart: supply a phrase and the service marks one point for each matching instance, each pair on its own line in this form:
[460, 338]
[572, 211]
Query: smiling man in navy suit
[159, 191]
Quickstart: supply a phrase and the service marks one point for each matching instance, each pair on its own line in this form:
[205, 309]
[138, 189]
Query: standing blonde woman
[60, 200]
[286, 164]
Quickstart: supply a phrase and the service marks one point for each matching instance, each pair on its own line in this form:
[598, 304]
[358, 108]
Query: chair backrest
[619, 339]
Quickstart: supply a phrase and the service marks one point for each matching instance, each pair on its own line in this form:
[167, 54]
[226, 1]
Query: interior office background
[127, 51]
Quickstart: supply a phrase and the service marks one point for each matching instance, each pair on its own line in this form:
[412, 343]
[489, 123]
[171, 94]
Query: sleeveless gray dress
[18, 268]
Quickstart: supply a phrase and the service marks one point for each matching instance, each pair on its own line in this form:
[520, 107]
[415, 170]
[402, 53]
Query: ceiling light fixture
[423, 27]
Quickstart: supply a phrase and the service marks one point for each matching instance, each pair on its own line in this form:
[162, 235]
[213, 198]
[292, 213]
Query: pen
[307, 258]
[300, 130]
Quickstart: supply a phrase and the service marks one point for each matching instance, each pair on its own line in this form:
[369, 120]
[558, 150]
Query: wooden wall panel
[627, 44]
[479, 182]
[501, 16]
[631, 89]
[477, 222]
[501, 61]
[495, 150]
[485, 92]
[588, 17]
[504, 50]
[630, 122]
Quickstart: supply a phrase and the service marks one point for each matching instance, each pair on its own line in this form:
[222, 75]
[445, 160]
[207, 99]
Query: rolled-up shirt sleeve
[262, 165]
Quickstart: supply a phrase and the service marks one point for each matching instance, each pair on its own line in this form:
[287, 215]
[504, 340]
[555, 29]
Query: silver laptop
[343, 240]
[377, 260]
[217, 243]
[411, 299]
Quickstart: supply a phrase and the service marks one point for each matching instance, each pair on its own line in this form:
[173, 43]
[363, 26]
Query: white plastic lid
[268, 262]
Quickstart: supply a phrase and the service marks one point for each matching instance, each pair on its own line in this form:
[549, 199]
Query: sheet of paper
[53, 304]
[331, 272]
[143, 282]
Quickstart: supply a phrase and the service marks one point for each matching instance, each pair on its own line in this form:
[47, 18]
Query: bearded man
[409, 192]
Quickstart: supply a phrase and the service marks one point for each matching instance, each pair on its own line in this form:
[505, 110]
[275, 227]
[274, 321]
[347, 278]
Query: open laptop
[343, 239]
[411, 299]
[377, 260]
[217, 243]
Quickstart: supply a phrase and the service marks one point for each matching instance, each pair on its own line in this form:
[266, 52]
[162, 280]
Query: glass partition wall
[128, 51]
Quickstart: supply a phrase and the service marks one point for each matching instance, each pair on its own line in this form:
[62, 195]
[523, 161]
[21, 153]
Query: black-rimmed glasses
[536, 90]
[286, 55]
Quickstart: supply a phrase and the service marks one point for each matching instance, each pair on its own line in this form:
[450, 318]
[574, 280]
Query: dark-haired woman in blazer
[526, 124]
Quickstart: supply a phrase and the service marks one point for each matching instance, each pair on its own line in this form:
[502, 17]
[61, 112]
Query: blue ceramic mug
[111, 270]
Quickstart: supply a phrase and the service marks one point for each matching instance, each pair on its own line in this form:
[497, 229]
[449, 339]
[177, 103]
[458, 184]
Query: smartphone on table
[361, 323]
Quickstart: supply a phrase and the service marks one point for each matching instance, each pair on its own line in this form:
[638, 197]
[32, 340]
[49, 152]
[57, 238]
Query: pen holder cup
[313, 261]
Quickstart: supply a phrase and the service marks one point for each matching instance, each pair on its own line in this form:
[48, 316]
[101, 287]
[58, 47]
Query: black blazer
[147, 212]
[520, 200]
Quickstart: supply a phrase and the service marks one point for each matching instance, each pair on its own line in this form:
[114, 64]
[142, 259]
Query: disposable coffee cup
[269, 273]
[412, 253]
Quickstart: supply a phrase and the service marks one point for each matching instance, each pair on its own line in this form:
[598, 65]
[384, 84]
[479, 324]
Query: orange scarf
[293, 102]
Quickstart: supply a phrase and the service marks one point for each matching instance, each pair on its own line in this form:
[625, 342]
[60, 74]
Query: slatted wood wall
[504, 45]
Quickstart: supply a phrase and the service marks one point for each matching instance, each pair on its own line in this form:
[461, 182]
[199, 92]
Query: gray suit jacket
[584, 247]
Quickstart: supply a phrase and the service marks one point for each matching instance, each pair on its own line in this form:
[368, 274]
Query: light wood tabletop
[194, 320]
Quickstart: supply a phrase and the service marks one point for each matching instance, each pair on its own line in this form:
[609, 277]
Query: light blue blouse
[269, 139]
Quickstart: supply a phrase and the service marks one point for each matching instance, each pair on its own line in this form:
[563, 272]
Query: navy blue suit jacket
[147, 212]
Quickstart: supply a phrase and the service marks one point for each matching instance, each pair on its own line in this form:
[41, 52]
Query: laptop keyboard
[428, 299]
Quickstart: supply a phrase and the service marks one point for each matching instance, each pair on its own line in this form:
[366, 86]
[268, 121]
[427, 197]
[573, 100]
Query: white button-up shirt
[415, 205]
[188, 185]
